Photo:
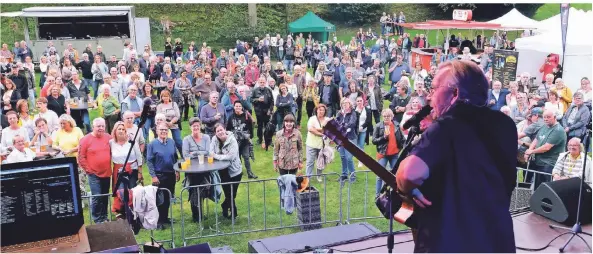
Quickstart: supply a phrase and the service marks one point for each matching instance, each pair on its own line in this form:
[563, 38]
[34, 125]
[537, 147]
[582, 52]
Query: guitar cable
[329, 246]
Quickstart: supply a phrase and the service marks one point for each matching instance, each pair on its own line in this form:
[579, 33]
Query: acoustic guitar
[405, 210]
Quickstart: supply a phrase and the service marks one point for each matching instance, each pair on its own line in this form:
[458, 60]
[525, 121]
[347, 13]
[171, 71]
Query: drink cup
[201, 159]
[188, 161]
[210, 159]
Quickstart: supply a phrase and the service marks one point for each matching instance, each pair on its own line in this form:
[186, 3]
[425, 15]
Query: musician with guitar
[464, 163]
[455, 187]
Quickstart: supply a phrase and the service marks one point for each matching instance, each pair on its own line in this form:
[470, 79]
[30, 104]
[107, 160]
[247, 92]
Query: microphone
[145, 111]
[416, 118]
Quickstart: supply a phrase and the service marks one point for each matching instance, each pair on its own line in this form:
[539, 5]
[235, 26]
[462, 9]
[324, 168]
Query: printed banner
[504, 67]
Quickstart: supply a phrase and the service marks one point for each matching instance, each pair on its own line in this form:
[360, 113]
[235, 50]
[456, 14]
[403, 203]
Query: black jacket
[85, 67]
[241, 126]
[21, 85]
[334, 95]
[262, 107]
[380, 141]
[82, 92]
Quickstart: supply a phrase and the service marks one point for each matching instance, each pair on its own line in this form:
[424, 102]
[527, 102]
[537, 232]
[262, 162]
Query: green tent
[311, 23]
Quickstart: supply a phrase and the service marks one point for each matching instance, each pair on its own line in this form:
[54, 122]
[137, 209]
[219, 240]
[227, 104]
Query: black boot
[251, 175]
[225, 211]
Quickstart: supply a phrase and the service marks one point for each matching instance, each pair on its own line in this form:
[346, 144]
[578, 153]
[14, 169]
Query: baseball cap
[328, 73]
[536, 111]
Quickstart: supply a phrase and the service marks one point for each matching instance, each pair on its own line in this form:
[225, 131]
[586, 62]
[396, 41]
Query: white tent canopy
[515, 20]
[578, 56]
[553, 23]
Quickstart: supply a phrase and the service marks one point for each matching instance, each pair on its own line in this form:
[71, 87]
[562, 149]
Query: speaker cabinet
[558, 201]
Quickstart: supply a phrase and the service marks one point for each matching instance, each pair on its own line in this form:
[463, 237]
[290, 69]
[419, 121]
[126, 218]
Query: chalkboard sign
[504, 67]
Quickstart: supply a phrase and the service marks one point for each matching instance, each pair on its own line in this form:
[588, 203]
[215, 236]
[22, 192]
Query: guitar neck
[367, 160]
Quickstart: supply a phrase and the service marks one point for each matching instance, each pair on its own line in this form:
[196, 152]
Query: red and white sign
[462, 15]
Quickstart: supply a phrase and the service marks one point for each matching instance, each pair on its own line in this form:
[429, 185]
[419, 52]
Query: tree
[355, 14]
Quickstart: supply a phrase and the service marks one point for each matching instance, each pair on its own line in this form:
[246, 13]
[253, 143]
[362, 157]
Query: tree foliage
[355, 14]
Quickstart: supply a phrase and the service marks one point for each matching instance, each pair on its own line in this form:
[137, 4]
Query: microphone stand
[412, 133]
[576, 229]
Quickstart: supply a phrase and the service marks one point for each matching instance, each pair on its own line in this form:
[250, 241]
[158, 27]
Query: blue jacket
[288, 186]
[498, 103]
[229, 106]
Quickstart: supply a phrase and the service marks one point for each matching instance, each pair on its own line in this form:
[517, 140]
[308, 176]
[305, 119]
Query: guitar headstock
[335, 132]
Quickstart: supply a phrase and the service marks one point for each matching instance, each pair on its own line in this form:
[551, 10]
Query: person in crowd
[67, 140]
[203, 91]
[152, 134]
[212, 113]
[171, 111]
[511, 97]
[299, 79]
[183, 84]
[25, 120]
[288, 148]
[374, 98]
[133, 103]
[110, 107]
[397, 69]
[570, 163]
[240, 123]
[412, 108]
[519, 111]
[329, 94]
[10, 96]
[137, 71]
[542, 89]
[525, 83]
[314, 142]
[56, 102]
[310, 96]
[79, 90]
[363, 113]
[353, 92]
[160, 158]
[345, 82]
[284, 105]
[496, 97]
[20, 151]
[131, 129]
[232, 95]
[347, 118]
[554, 104]
[263, 104]
[585, 89]
[99, 70]
[564, 93]
[94, 157]
[576, 118]
[321, 68]
[8, 133]
[224, 147]
[194, 145]
[385, 139]
[20, 81]
[399, 102]
[546, 147]
[120, 146]
[42, 138]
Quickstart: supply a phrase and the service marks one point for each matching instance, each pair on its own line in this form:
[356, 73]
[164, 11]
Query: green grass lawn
[251, 195]
[550, 10]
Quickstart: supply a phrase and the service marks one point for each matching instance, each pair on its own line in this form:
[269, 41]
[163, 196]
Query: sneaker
[352, 179]
[319, 179]
[342, 178]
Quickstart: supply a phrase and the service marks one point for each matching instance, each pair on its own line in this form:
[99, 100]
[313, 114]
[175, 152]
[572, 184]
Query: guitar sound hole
[546, 205]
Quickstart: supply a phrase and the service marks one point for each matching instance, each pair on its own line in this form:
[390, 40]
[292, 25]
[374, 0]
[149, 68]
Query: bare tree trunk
[252, 11]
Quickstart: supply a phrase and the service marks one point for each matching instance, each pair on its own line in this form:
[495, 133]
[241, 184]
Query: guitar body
[403, 211]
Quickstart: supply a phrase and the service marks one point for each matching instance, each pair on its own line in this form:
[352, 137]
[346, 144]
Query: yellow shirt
[565, 96]
[68, 140]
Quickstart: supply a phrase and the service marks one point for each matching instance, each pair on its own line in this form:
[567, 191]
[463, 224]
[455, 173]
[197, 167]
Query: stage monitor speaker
[558, 201]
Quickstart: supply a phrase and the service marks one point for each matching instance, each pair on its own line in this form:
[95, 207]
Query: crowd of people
[240, 98]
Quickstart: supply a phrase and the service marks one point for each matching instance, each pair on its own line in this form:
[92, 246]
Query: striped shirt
[568, 166]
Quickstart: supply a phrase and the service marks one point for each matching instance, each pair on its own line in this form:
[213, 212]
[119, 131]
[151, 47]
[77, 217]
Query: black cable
[372, 247]
[553, 239]
[328, 246]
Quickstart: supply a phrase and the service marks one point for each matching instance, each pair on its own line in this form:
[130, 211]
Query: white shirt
[8, 134]
[119, 153]
[292, 89]
[18, 156]
[53, 124]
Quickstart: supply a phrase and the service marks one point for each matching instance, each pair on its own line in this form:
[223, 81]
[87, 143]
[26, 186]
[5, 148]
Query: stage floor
[531, 231]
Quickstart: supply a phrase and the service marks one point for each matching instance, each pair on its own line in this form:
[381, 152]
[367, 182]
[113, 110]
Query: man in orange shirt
[94, 157]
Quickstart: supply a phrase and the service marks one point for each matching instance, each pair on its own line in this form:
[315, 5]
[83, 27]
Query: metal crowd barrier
[521, 194]
[108, 195]
[368, 199]
[266, 222]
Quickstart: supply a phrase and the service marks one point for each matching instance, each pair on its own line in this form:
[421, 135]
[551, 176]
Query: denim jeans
[311, 158]
[391, 159]
[99, 185]
[361, 139]
[406, 54]
[95, 86]
[347, 162]
[288, 64]
[32, 97]
[176, 133]
[146, 128]
[280, 55]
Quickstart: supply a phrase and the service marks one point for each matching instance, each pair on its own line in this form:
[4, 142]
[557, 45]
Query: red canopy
[451, 24]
